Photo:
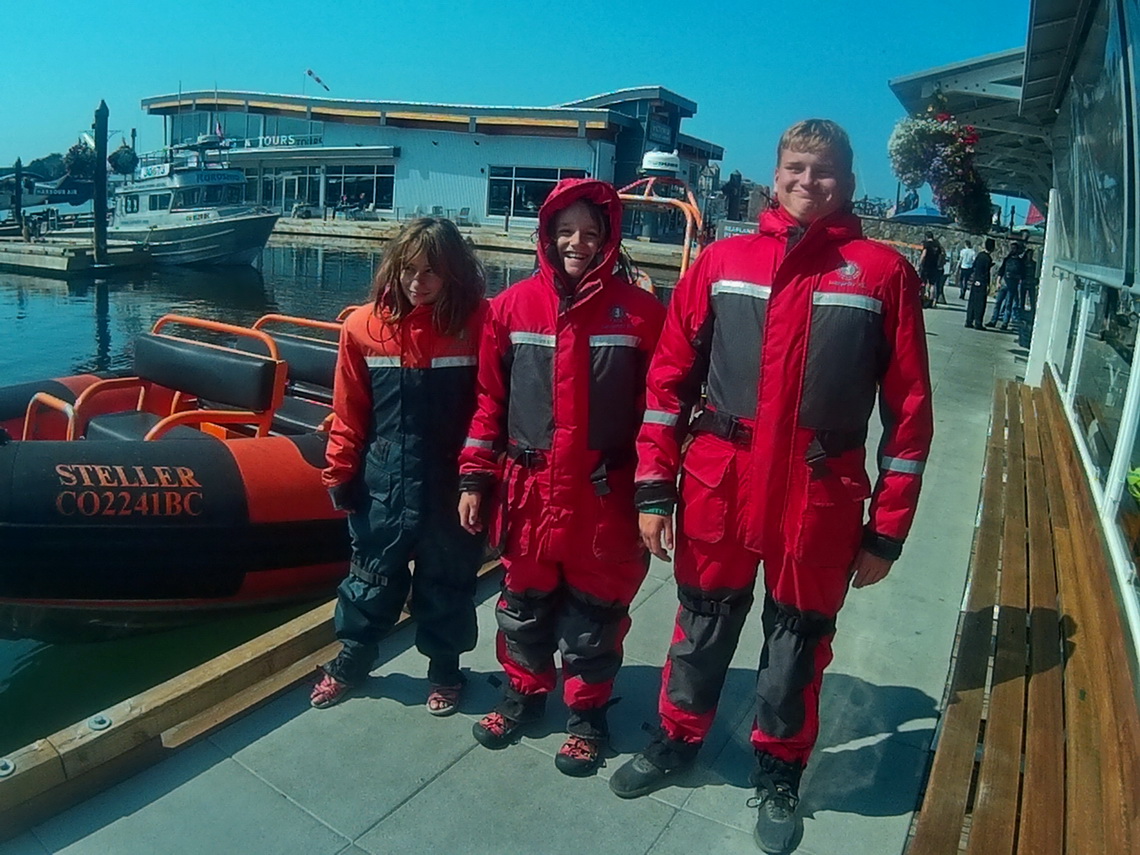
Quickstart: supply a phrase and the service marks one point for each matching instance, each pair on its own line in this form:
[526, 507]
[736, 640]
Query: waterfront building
[1058, 122]
[393, 159]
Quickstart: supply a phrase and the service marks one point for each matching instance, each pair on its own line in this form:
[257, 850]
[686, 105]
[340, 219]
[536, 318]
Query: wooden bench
[1038, 750]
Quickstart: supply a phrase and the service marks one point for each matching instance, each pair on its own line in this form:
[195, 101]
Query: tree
[48, 168]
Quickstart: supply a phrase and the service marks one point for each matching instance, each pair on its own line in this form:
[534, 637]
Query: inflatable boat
[188, 489]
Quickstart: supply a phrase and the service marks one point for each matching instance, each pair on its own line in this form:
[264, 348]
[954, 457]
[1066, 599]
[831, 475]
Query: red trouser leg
[714, 584]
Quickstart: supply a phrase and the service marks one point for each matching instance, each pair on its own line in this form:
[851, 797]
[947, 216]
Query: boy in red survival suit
[791, 333]
[561, 395]
[403, 394]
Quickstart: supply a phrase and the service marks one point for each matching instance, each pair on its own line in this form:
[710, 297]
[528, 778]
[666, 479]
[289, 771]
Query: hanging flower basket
[123, 160]
[935, 150]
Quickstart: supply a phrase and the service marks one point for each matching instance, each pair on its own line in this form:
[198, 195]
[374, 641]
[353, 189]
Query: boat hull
[227, 240]
[102, 538]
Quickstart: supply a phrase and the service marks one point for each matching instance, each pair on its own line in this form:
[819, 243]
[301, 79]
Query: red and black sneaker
[578, 756]
[328, 691]
[495, 730]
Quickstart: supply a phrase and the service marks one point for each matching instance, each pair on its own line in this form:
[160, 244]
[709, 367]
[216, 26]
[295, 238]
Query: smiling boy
[791, 333]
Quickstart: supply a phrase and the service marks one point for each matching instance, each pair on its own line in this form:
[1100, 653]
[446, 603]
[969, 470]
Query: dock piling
[100, 177]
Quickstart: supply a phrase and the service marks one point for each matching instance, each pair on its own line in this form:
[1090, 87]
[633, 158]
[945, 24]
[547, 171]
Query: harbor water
[55, 327]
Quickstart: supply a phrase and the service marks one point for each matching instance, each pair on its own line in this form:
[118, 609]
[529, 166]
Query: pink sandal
[444, 700]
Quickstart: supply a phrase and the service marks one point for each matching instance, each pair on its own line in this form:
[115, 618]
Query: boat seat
[296, 415]
[134, 426]
[249, 386]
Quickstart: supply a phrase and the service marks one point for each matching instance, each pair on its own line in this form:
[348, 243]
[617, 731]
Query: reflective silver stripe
[452, 361]
[660, 417]
[747, 289]
[534, 338]
[478, 443]
[382, 361]
[614, 341]
[897, 464]
[854, 301]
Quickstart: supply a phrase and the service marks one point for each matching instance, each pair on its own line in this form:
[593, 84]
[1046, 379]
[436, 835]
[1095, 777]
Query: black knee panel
[528, 622]
[710, 625]
[589, 634]
[787, 666]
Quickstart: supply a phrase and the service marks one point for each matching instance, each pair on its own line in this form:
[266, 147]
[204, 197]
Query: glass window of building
[370, 187]
[520, 190]
[1102, 376]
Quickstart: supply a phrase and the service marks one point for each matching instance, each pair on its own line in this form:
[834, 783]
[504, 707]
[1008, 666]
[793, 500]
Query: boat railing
[646, 193]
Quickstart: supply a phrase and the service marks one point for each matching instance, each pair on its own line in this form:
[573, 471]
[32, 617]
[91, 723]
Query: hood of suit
[566, 193]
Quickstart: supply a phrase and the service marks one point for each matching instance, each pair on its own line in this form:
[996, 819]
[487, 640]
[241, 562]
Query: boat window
[160, 202]
[208, 197]
[131, 204]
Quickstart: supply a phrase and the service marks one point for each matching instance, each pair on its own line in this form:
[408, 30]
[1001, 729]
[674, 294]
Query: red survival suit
[792, 332]
[562, 392]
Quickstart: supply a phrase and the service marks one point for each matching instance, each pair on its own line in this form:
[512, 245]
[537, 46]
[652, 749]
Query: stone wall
[908, 239]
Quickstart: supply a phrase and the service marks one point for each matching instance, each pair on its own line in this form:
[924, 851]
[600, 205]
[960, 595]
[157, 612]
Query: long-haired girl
[402, 399]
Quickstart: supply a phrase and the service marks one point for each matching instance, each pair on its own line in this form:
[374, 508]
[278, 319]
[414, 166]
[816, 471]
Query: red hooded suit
[561, 397]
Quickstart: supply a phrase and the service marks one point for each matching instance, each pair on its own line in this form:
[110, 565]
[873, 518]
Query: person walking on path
[794, 332]
[930, 269]
[1010, 298]
[966, 256]
[980, 285]
[551, 450]
[402, 397]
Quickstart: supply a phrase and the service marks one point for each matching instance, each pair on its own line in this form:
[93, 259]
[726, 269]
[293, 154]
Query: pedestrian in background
[980, 286]
[966, 256]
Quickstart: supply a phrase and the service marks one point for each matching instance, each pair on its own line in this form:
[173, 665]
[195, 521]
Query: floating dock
[65, 256]
[377, 774]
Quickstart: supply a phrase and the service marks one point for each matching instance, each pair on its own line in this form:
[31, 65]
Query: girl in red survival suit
[402, 399]
[561, 394]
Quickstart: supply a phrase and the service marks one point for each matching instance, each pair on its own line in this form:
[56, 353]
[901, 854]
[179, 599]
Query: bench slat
[1084, 800]
[1042, 815]
[995, 804]
[939, 823]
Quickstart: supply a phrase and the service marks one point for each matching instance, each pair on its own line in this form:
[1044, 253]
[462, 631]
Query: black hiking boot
[660, 760]
[779, 828]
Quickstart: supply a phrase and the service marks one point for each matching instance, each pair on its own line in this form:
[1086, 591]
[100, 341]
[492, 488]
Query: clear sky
[752, 66]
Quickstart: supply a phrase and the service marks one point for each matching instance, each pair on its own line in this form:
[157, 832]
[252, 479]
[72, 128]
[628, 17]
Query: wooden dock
[65, 256]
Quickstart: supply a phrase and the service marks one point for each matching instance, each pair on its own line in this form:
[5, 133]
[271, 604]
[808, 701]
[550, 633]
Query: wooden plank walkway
[1039, 741]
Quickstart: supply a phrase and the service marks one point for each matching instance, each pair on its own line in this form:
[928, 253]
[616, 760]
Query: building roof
[1013, 152]
[638, 93]
[690, 145]
[570, 120]
[1012, 97]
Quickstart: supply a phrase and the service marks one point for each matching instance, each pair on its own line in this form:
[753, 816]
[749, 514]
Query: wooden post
[18, 193]
[100, 178]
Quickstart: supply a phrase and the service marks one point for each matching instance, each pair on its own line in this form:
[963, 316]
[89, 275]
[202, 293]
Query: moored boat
[188, 489]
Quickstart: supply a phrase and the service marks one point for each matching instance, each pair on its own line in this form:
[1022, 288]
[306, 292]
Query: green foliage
[935, 150]
[50, 167]
[123, 160]
[80, 161]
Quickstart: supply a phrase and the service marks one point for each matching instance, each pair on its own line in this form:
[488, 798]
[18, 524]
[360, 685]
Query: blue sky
[752, 67]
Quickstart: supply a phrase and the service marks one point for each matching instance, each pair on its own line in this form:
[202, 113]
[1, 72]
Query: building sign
[279, 141]
[157, 170]
[215, 176]
[729, 228]
[659, 132]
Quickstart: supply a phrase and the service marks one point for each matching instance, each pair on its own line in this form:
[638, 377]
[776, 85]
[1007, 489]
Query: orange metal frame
[294, 320]
[647, 198]
[78, 413]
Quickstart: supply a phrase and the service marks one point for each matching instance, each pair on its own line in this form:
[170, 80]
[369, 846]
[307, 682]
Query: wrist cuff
[475, 482]
[655, 494]
[661, 509]
[882, 546]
